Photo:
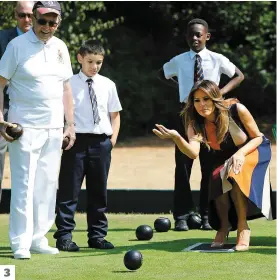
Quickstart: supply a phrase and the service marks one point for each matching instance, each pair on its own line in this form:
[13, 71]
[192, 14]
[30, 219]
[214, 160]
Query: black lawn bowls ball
[144, 232]
[15, 132]
[162, 224]
[65, 142]
[194, 221]
[133, 259]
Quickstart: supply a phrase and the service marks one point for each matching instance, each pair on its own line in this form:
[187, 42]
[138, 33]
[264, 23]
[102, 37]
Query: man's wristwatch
[70, 123]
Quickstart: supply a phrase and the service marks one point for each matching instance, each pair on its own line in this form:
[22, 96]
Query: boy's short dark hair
[91, 47]
[198, 21]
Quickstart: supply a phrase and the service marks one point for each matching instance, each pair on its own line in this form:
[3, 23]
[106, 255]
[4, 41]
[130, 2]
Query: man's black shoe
[206, 225]
[67, 245]
[100, 244]
[181, 225]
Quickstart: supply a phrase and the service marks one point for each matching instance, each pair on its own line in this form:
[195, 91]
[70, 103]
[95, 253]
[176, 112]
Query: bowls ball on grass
[15, 132]
[194, 221]
[144, 232]
[133, 259]
[162, 224]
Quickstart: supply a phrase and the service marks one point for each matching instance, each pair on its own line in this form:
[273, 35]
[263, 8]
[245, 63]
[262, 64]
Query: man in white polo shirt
[40, 98]
[197, 64]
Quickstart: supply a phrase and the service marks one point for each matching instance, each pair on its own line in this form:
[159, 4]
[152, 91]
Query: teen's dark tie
[198, 70]
[93, 100]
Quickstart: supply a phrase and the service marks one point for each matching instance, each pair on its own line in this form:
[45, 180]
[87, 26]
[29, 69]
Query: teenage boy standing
[195, 65]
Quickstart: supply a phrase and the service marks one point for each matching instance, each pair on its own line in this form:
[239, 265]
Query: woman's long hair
[191, 117]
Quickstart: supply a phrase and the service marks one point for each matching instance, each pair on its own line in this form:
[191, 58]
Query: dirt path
[147, 163]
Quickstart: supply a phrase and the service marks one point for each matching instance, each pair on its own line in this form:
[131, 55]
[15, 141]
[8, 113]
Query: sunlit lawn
[162, 255]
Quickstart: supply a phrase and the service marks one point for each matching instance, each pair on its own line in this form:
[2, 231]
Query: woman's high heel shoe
[243, 240]
[220, 239]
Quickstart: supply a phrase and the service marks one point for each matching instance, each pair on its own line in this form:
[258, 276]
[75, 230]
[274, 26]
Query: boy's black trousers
[89, 157]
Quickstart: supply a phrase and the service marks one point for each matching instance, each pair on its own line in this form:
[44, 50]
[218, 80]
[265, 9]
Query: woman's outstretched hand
[165, 133]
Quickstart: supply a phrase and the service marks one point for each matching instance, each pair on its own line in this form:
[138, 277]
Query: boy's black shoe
[67, 245]
[206, 225]
[100, 244]
[181, 225]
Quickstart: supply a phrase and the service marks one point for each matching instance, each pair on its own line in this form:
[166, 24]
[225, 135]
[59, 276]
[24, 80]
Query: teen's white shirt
[107, 102]
[182, 66]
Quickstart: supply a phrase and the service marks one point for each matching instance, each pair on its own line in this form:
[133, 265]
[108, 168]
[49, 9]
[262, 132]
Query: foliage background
[141, 36]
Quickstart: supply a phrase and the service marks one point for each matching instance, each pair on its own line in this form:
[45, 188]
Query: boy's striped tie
[93, 100]
[198, 70]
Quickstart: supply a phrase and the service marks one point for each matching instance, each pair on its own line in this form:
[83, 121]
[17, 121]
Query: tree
[83, 20]
[141, 36]
[245, 32]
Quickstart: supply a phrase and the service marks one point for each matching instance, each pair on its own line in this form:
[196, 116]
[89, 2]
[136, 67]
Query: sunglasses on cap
[43, 22]
[23, 15]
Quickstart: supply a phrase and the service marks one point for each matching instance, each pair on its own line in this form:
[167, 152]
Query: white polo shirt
[36, 71]
[182, 66]
[107, 101]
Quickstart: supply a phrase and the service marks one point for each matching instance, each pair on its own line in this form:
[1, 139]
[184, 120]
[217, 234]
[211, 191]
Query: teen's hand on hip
[165, 133]
[70, 133]
[238, 160]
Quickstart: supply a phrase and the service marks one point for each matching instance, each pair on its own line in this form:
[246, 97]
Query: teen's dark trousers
[183, 202]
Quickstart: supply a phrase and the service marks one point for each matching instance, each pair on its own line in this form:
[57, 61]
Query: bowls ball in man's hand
[15, 132]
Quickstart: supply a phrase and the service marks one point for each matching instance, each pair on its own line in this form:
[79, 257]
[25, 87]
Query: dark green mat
[206, 248]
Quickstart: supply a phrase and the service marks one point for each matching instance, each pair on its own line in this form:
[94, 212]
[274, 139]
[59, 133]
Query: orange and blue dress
[253, 180]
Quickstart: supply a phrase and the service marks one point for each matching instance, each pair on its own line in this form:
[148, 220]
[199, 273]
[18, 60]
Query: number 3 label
[7, 272]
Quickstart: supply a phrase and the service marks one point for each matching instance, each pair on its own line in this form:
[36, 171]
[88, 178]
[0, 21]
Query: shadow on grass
[265, 245]
[122, 229]
[5, 252]
[123, 271]
[110, 230]
[263, 241]
[5, 248]
[75, 230]
[7, 257]
[178, 245]
[263, 251]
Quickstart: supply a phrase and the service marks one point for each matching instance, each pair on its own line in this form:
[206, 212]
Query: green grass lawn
[162, 255]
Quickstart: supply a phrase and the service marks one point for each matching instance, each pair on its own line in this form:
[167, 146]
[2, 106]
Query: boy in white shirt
[97, 120]
[197, 64]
